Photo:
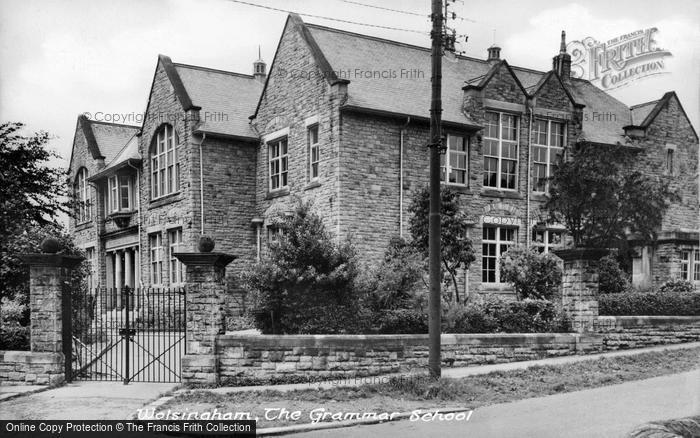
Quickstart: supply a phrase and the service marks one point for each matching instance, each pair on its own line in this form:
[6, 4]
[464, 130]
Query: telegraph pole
[434, 305]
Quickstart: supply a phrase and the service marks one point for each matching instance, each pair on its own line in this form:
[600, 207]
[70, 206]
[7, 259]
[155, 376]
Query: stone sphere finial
[206, 244]
[51, 245]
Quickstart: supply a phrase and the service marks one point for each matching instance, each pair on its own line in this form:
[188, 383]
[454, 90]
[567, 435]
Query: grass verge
[408, 394]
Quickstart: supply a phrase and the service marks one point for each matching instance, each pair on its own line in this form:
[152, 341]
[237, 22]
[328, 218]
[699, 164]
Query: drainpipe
[137, 192]
[528, 233]
[201, 185]
[403, 131]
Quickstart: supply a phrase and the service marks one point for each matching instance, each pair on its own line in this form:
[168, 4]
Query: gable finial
[562, 47]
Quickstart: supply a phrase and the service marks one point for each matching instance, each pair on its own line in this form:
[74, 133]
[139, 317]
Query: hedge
[649, 304]
[495, 315]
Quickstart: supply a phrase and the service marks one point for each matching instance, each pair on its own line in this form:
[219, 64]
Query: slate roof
[641, 111]
[349, 53]
[226, 99]
[111, 138]
[130, 151]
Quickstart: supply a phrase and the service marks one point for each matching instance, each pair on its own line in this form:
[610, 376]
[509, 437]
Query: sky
[59, 59]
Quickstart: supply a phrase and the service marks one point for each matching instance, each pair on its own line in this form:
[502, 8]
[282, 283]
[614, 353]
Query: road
[610, 411]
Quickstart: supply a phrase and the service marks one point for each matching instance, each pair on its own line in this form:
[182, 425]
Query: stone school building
[342, 119]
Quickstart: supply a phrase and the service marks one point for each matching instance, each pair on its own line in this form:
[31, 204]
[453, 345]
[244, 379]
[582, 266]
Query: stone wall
[622, 332]
[30, 368]
[323, 356]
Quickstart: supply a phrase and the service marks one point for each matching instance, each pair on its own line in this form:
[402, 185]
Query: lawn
[409, 394]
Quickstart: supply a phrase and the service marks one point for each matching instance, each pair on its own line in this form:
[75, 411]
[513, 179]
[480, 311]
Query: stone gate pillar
[50, 325]
[205, 294]
[579, 291]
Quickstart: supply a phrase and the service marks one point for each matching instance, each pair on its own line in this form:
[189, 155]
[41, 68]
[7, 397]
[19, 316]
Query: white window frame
[549, 147]
[314, 151]
[82, 195]
[498, 241]
[175, 266]
[165, 166]
[446, 167]
[690, 265]
[500, 158]
[274, 234]
[547, 235]
[281, 160]
[90, 256]
[116, 183]
[155, 244]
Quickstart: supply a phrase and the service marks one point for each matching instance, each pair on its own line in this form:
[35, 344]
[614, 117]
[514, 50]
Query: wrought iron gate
[129, 335]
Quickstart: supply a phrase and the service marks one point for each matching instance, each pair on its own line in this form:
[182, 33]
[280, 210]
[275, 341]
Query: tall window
[690, 265]
[92, 267]
[83, 211]
[501, 151]
[669, 160]
[165, 169]
[279, 161]
[176, 267]
[119, 193]
[495, 241]
[274, 234]
[156, 246]
[546, 240]
[454, 162]
[314, 153]
[547, 152]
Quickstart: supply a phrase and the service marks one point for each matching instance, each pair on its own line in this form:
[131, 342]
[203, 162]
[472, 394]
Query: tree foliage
[601, 199]
[533, 274]
[306, 283]
[455, 247]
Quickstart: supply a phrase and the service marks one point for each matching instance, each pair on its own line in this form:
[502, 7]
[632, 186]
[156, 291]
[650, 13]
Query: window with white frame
[83, 209]
[165, 169]
[495, 241]
[547, 152]
[690, 265]
[176, 266]
[156, 247]
[501, 151]
[546, 240]
[454, 163]
[274, 235]
[279, 162]
[314, 152]
[119, 192]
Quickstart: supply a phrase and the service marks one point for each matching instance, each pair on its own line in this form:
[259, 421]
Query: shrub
[306, 284]
[495, 314]
[611, 279]
[13, 336]
[653, 303]
[402, 321]
[682, 286]
[533, 275]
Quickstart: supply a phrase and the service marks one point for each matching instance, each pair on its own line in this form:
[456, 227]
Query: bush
[495, 314]
[649, 304]
[13, 336]
[306, 284]
[402, 321]
[611, 279]
[681, 286]
[533, 275]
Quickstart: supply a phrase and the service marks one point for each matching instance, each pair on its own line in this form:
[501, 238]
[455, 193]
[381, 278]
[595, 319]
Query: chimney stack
[260, 68]
[562, 62]
[494, 54]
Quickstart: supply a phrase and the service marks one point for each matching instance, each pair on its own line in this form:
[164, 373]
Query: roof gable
[484, 80]
[553, 76]
[104, 140]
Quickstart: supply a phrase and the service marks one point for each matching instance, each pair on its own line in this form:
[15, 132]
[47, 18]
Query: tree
[600, 199]
[33, 195]
[456, 248]
[306, 284]
[533, 274]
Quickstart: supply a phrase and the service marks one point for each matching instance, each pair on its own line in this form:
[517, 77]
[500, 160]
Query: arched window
[165, 169]
[83, 210]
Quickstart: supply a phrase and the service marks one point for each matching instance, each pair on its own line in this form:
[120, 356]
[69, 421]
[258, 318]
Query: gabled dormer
[498, 86]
